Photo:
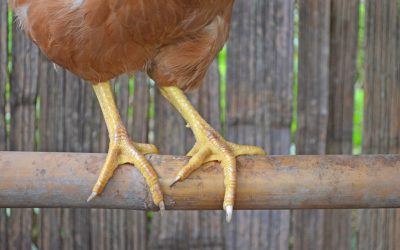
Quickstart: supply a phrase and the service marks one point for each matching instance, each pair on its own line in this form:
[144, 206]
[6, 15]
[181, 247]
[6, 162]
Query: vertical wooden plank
[313, 76]
[49, 220]
[3, 70]
[52, 111]
[138, 127]
[24, 87]
[259, 97]
[57, 114]
[3, 82]
[313, 80]
[66, 114]
[380, 228]
[51, 139]
[342, 75]
[342, 78]
[186, 230]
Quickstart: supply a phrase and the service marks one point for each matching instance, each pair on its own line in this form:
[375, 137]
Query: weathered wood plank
[259, 98]
[77, 94]
[51, 139]
[186, 230]
[138, 127]
[342, 78]
[342, 75]
[313, 76]
[3, 81]
[24, 88]
[62, 129]
[312, 115]
[3, 71]
[379, 229]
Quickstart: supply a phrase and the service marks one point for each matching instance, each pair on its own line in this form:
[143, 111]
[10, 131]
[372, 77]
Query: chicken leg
[122, 149]
[210, 146]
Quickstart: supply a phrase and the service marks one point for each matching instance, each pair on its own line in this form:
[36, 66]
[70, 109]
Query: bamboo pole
[32, 179]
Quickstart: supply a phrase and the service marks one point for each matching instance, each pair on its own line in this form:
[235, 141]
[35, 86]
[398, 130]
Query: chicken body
[174, 41]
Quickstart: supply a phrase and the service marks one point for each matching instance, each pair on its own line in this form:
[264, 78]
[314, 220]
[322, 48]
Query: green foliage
[361, 44]
[222, 68]
[359, 91]
[357, 121]
[131, 93]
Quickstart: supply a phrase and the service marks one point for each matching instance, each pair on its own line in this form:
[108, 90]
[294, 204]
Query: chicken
[173, 41]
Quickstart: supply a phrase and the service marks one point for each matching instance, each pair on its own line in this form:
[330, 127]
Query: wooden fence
[50, 110]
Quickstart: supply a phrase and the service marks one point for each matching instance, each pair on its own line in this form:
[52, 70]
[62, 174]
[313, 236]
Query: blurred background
[296, 77]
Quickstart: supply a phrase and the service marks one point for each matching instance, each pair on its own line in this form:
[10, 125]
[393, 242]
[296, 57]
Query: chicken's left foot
[210, 146]
[213, 147]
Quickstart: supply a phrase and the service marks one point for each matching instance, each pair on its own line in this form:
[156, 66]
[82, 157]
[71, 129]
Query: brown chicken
[173, 41]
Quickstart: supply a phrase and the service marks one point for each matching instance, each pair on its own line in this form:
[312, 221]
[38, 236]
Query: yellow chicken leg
[210, 146]
[122, 149]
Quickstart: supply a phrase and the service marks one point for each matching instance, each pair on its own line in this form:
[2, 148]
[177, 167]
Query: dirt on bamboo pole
[30, 179]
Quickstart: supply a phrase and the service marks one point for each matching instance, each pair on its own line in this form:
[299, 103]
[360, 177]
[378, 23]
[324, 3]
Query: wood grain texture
[24, 88]
[62, 129]
[342, 78]
[380, 229]
[51, 129]
[3, 70]
[312, 114]
[342, 75]
[259, 98]
[273, 182]
[187, 230]
[313, 76]
[3, 81]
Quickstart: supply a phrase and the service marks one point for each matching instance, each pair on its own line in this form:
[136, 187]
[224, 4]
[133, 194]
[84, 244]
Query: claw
[92, 196]
[161, 205]
[228, 210]
[177, 179]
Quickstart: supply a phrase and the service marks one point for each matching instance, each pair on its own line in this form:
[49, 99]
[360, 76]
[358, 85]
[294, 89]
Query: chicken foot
[122, 149]
[209, 146]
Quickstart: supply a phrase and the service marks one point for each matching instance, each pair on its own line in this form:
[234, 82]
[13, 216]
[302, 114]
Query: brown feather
[175, 41]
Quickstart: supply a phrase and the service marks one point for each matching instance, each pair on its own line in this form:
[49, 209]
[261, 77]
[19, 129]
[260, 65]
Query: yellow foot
[123, 150]
[210, 146]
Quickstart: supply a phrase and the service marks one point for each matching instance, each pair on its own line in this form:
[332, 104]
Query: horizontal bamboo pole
[30, 179]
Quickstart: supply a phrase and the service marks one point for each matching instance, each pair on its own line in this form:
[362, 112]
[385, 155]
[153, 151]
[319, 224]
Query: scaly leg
[210, 146]
[122, 149]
